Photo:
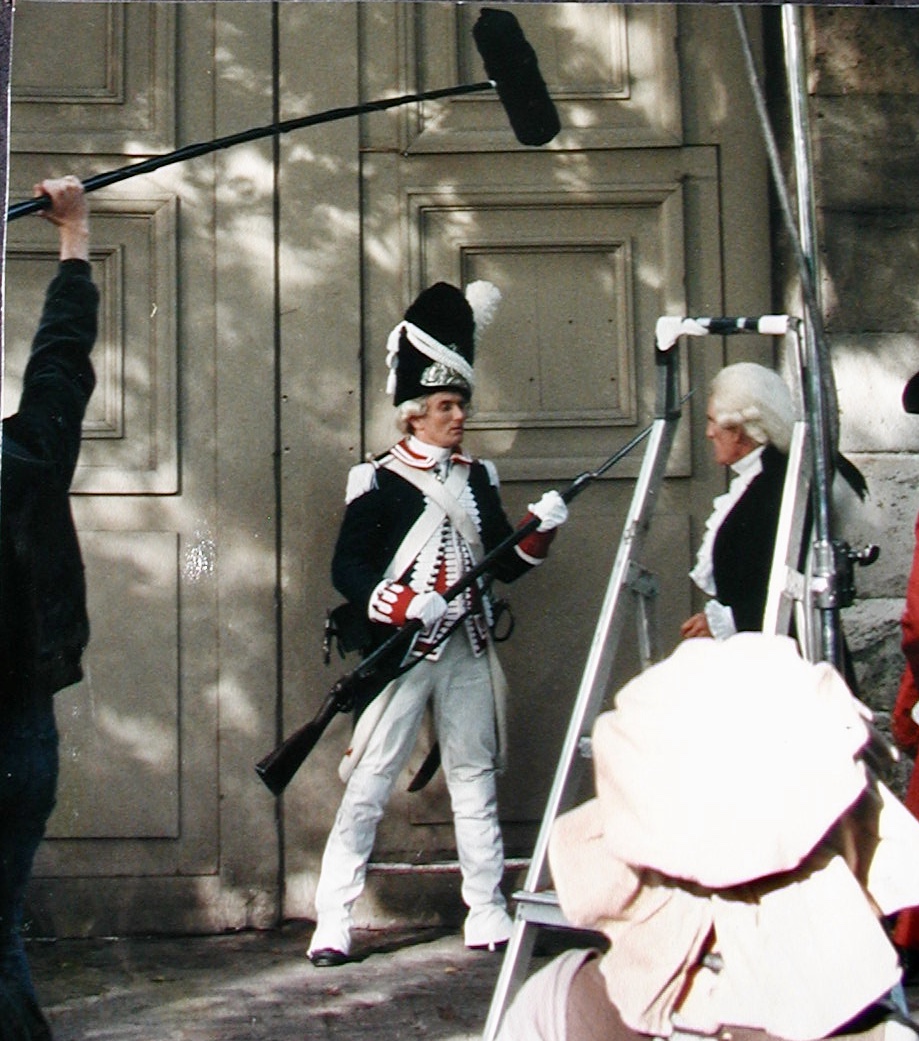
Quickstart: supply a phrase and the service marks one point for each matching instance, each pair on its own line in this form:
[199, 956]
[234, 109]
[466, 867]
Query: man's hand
[70, 212]
[551, 511]
[696, 625]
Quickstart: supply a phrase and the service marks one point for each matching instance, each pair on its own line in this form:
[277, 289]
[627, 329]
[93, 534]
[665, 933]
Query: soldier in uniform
[417, 518]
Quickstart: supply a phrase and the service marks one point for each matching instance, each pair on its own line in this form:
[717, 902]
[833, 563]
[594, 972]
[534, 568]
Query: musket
[388, 661]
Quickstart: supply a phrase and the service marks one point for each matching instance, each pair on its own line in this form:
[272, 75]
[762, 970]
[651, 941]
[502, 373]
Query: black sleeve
[496, 527]
[371, 532]
[357, 564]
[59, 377]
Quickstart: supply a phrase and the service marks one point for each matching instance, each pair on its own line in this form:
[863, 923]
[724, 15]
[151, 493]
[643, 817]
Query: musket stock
[387, 662]
[366, 681]
[279, 766]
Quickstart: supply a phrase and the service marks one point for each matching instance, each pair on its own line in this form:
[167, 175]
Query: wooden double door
[246, 301]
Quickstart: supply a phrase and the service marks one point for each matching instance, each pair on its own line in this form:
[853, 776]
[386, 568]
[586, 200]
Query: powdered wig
[406, 411]
[756, 399]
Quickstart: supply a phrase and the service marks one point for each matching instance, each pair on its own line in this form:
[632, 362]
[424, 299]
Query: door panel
[135, 842]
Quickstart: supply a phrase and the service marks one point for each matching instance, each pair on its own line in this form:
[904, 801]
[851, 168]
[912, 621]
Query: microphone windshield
[510, 63]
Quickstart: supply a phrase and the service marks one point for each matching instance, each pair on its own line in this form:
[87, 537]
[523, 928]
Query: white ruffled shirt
[721, 618]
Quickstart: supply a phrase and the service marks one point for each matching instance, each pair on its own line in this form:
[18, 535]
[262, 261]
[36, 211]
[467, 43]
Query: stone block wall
[863, 85]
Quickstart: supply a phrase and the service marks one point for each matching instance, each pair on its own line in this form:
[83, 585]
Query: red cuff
[534, 548]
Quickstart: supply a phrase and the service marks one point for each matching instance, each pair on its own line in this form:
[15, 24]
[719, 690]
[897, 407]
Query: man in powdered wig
[417, 518]
[749, 423]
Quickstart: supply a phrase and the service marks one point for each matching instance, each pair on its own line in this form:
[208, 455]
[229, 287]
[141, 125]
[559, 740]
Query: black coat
[744, 544]
[43, 621]
[376, 523]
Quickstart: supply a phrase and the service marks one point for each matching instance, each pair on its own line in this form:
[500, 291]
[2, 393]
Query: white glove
[428, 608]
[551, 511]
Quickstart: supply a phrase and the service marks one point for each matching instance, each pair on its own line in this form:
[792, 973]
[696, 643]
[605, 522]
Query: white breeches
[459, 688]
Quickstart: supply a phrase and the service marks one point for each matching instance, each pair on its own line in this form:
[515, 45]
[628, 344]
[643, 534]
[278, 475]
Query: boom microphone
[157, 162]
[511, 65]
[512, 70]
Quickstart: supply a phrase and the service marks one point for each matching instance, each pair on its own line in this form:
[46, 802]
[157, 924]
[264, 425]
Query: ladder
[536, 904]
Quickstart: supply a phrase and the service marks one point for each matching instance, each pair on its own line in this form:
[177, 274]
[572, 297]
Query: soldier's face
[444, 422]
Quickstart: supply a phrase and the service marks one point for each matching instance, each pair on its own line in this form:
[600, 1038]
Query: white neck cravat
[440, 457]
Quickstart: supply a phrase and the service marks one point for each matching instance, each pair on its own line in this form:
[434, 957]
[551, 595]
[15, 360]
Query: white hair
[406, 411]
[756, 399]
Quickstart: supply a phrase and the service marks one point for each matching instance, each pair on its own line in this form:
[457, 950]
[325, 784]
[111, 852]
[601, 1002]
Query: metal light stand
[831, 585]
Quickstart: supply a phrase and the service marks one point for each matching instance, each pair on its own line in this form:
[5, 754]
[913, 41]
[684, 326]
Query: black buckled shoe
[328, 958]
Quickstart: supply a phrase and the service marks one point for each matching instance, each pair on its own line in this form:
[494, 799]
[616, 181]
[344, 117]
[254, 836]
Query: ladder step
[540, 907]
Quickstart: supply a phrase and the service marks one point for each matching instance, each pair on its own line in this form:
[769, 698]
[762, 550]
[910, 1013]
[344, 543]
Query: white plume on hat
[483, 298]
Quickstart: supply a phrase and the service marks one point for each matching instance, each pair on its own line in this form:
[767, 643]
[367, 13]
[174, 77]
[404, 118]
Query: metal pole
[818, 372]
[797, 86]
[818, 365]
[157, 162]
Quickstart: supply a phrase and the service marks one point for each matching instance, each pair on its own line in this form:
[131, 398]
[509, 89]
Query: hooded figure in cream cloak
[738, 855]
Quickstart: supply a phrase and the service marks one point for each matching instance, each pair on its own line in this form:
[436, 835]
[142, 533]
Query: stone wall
[863, 81]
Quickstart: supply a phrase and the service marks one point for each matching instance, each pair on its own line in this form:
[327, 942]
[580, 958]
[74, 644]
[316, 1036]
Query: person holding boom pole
[416, 519]
[43, 622]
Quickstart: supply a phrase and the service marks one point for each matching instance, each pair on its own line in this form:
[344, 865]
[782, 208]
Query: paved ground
[260, 987]
[406, 985]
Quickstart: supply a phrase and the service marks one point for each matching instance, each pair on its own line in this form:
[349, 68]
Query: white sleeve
[720, 620]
